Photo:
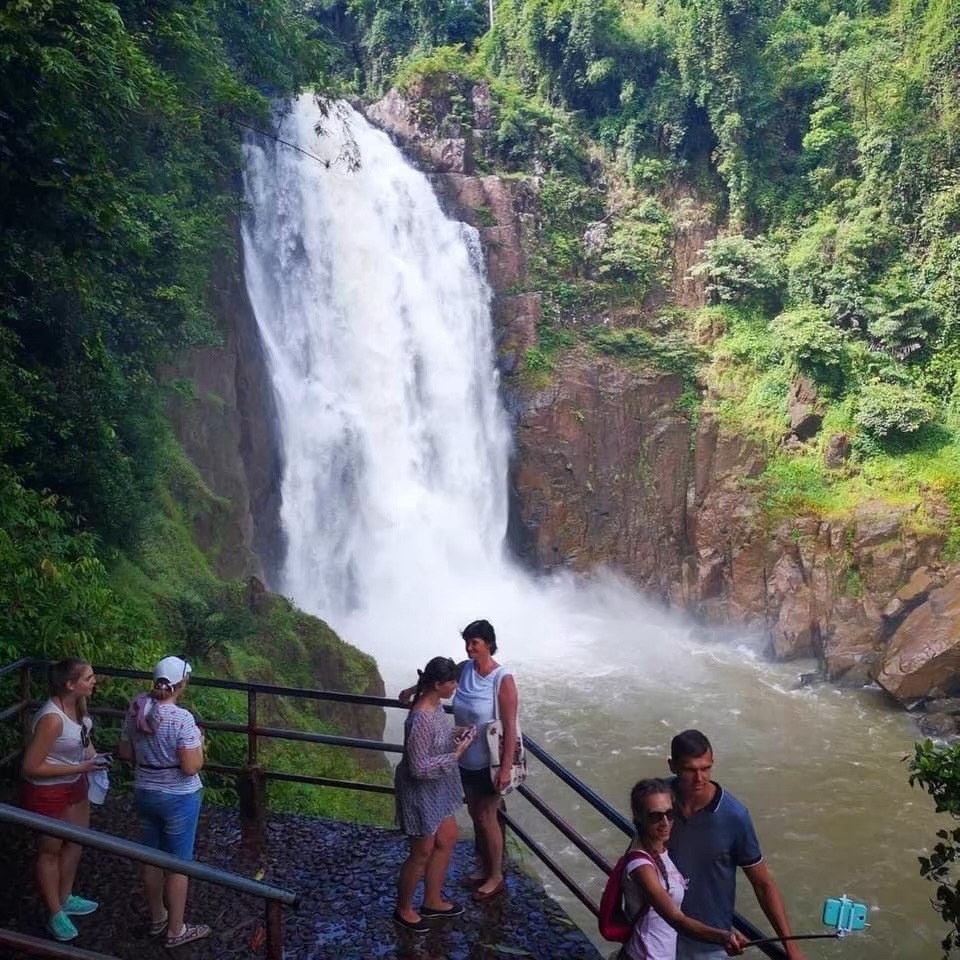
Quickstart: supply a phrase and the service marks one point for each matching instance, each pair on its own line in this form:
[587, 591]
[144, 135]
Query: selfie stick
[800, 936]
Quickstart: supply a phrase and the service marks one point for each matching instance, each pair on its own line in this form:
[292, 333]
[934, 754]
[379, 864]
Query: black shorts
[477, 782]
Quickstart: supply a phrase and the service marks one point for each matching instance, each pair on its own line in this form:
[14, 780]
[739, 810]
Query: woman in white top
[482, 679]
[55, 765]
[653, 888]
[167, 746]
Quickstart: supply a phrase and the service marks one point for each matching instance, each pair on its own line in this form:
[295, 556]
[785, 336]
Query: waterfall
[375, 315]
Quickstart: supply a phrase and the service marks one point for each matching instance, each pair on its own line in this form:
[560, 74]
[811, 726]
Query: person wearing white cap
[166, 744]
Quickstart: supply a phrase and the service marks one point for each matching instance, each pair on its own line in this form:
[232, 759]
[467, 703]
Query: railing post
[251, 784]
[274, 931]
[25, 700]
[251, 727]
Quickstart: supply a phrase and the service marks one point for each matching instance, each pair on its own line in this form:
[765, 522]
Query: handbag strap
[496, 693]
[496, 701]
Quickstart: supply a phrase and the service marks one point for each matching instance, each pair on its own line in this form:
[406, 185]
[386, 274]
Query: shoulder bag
[494, 734]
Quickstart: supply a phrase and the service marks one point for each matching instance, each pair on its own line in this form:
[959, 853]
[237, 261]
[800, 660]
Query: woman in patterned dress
[428, 794]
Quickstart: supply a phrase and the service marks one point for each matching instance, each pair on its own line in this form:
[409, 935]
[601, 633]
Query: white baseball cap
[172, 669]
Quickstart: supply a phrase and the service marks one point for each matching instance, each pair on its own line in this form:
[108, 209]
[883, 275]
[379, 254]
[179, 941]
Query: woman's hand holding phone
[463, 737]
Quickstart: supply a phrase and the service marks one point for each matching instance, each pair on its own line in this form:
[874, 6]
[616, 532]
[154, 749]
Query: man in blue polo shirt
[712, 836]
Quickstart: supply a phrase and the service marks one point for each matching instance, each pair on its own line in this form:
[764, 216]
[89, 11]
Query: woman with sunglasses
[166, 744]
[55, 765]
[653, 888]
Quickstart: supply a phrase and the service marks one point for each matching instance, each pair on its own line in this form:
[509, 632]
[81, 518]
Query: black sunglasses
[84, 736]
[658, 816]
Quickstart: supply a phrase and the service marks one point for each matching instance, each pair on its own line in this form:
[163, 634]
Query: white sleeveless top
[473, 704]
[653, 938]
[67, 749]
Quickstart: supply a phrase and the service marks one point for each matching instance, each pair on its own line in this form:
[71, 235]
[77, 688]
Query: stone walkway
[345, 874]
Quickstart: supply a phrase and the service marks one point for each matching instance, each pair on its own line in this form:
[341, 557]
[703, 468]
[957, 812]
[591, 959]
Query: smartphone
[844, 914]
[103, 759]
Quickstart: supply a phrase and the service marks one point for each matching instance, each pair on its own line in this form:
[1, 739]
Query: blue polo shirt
[707, 850]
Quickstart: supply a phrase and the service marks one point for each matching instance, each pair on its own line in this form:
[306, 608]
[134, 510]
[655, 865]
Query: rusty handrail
[48, 948]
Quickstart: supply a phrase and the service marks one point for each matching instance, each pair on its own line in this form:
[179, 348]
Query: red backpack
[612, 921]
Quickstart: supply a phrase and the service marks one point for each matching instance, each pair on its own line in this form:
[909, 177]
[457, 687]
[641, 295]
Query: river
[374, 313]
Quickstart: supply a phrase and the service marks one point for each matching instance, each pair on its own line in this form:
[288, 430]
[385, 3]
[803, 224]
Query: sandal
[190, 932]
[158, 927]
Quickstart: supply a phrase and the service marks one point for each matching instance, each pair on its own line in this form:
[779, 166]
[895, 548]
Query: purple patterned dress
[428, 778]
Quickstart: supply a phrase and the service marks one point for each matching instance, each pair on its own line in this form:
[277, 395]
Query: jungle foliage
[119, 151]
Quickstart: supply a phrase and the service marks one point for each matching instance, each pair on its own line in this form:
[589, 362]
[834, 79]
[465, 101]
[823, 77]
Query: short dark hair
[481, 630]
[689, 743]
[641, 790]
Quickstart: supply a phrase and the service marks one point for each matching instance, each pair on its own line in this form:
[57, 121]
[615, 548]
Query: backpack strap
[625, 877]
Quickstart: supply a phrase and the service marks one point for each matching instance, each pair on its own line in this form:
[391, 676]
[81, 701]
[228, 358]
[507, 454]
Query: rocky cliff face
[613, 466]
[228, 429]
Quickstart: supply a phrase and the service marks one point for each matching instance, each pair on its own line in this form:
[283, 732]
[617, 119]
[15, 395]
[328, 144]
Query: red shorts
[52, 799]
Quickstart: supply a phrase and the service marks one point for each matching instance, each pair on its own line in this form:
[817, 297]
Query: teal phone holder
[844, 915]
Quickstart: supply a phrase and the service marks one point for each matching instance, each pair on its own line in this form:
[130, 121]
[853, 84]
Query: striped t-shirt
[158, 760]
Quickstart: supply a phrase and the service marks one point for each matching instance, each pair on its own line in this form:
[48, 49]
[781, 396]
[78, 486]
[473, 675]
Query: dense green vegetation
[120, 131]
[936, 768]
[819, 139]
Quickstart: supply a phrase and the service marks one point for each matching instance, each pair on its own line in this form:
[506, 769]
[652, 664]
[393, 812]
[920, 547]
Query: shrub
[638, 245]
[739, 269]
[812, 345]
[669, 352]
[886, 410]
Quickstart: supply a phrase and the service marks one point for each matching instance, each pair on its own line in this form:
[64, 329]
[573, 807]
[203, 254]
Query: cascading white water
[374, 312]
[375, 315]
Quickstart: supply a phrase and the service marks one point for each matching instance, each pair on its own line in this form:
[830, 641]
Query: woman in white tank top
[55, 765]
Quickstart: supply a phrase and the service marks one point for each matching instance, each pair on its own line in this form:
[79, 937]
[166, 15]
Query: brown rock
[515, 321]
[794, 631]
[943, 705]
[837, 451]
[875, 523]
[941, 726]
[228, 432]
[802, 410]
[918, 586]
[420, 136]
[851, 648]
[923, 658]
[602, 457]
[482, 107]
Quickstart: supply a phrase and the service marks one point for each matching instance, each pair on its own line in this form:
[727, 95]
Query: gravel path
[345, 874]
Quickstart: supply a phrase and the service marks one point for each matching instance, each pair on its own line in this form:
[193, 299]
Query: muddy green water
[823, 772]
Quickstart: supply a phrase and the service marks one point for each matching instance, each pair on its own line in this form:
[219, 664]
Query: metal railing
[252, 776]
[275, 898]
